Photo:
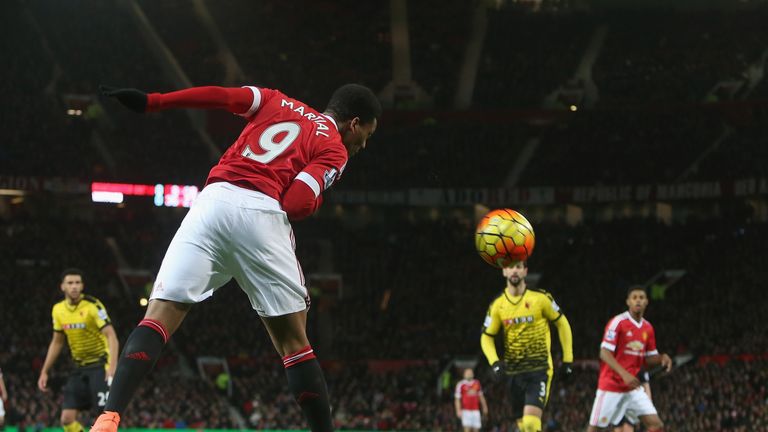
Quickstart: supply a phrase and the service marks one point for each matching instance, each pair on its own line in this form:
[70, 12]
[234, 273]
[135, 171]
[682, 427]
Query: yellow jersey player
[523, 316]
[83, 321]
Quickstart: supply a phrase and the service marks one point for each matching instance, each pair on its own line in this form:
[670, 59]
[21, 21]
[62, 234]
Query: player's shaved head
[354, 100]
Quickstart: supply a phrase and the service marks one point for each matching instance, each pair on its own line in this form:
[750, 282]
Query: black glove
[499, 369]
[564, 374]
[134, 100]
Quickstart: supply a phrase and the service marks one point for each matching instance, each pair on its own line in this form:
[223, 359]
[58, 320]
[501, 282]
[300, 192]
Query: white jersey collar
[332, 120]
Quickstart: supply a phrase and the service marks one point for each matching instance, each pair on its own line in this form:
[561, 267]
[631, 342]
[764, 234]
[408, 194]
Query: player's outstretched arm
[237, 100]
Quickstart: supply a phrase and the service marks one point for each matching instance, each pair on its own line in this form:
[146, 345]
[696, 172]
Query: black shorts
[529, 388]
[86, 388]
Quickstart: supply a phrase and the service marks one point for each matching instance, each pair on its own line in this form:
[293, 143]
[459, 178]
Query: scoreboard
[163, 195]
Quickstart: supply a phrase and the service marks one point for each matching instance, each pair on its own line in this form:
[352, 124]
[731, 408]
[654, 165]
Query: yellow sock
[75, 426]
[531, 424]
[520, 424]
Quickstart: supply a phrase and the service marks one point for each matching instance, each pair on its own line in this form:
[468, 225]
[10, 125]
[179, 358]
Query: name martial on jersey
[320, 120]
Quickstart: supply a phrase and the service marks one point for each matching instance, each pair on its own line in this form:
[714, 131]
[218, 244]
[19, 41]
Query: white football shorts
[610, 407]
[232, 232]
[471, 419]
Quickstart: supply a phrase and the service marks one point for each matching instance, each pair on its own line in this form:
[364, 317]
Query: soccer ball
[504, 237]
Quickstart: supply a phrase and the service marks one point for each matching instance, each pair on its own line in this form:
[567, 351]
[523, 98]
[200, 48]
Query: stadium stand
[414, 293]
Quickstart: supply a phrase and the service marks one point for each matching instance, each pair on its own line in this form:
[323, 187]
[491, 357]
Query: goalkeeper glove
[499, 369]
[134, 100]
[565, 372]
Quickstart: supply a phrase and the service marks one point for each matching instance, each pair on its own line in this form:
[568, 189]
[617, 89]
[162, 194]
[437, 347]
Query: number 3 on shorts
[543, 391]
[272, 148]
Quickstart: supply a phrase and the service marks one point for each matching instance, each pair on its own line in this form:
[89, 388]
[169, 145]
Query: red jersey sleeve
[650, 348]
[300, 201]
[610, 335]
[244, 101]
[324, 169]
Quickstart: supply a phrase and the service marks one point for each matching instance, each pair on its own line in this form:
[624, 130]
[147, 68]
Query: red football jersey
[469, 391]
[631, 342]
[284, 140]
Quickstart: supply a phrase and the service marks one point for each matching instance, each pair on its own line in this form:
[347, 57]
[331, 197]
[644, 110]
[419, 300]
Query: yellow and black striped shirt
[525, 321]
[82, 324]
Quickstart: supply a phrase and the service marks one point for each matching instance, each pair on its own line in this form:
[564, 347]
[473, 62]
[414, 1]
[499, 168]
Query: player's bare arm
[629, 379]
[114, 350]
[54, 349]
[660, 359]
[457, 405]
[483, 404]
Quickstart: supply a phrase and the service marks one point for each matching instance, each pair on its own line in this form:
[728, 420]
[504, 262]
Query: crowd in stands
[435, 309]
[527, 56]
[623, 147]
[35, 130]
[182, 30]
[438, 39]
[743, 150]
[540, 50]
[308, 54]
[681, 60]
[412, 289]
[38, 241]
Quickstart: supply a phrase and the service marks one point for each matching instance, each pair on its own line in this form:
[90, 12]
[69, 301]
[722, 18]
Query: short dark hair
[354, 100]
[636, 288]
[72, 271]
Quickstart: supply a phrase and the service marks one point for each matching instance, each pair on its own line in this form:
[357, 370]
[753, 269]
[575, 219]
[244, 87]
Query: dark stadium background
[633, 135]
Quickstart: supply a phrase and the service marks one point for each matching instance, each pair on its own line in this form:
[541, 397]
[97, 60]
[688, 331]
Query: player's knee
[531, 424]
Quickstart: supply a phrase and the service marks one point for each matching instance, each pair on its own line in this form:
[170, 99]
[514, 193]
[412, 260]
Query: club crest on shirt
[636, 346]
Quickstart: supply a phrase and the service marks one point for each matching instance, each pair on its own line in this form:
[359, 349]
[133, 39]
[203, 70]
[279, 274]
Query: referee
[83, 321]
[523, 316]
